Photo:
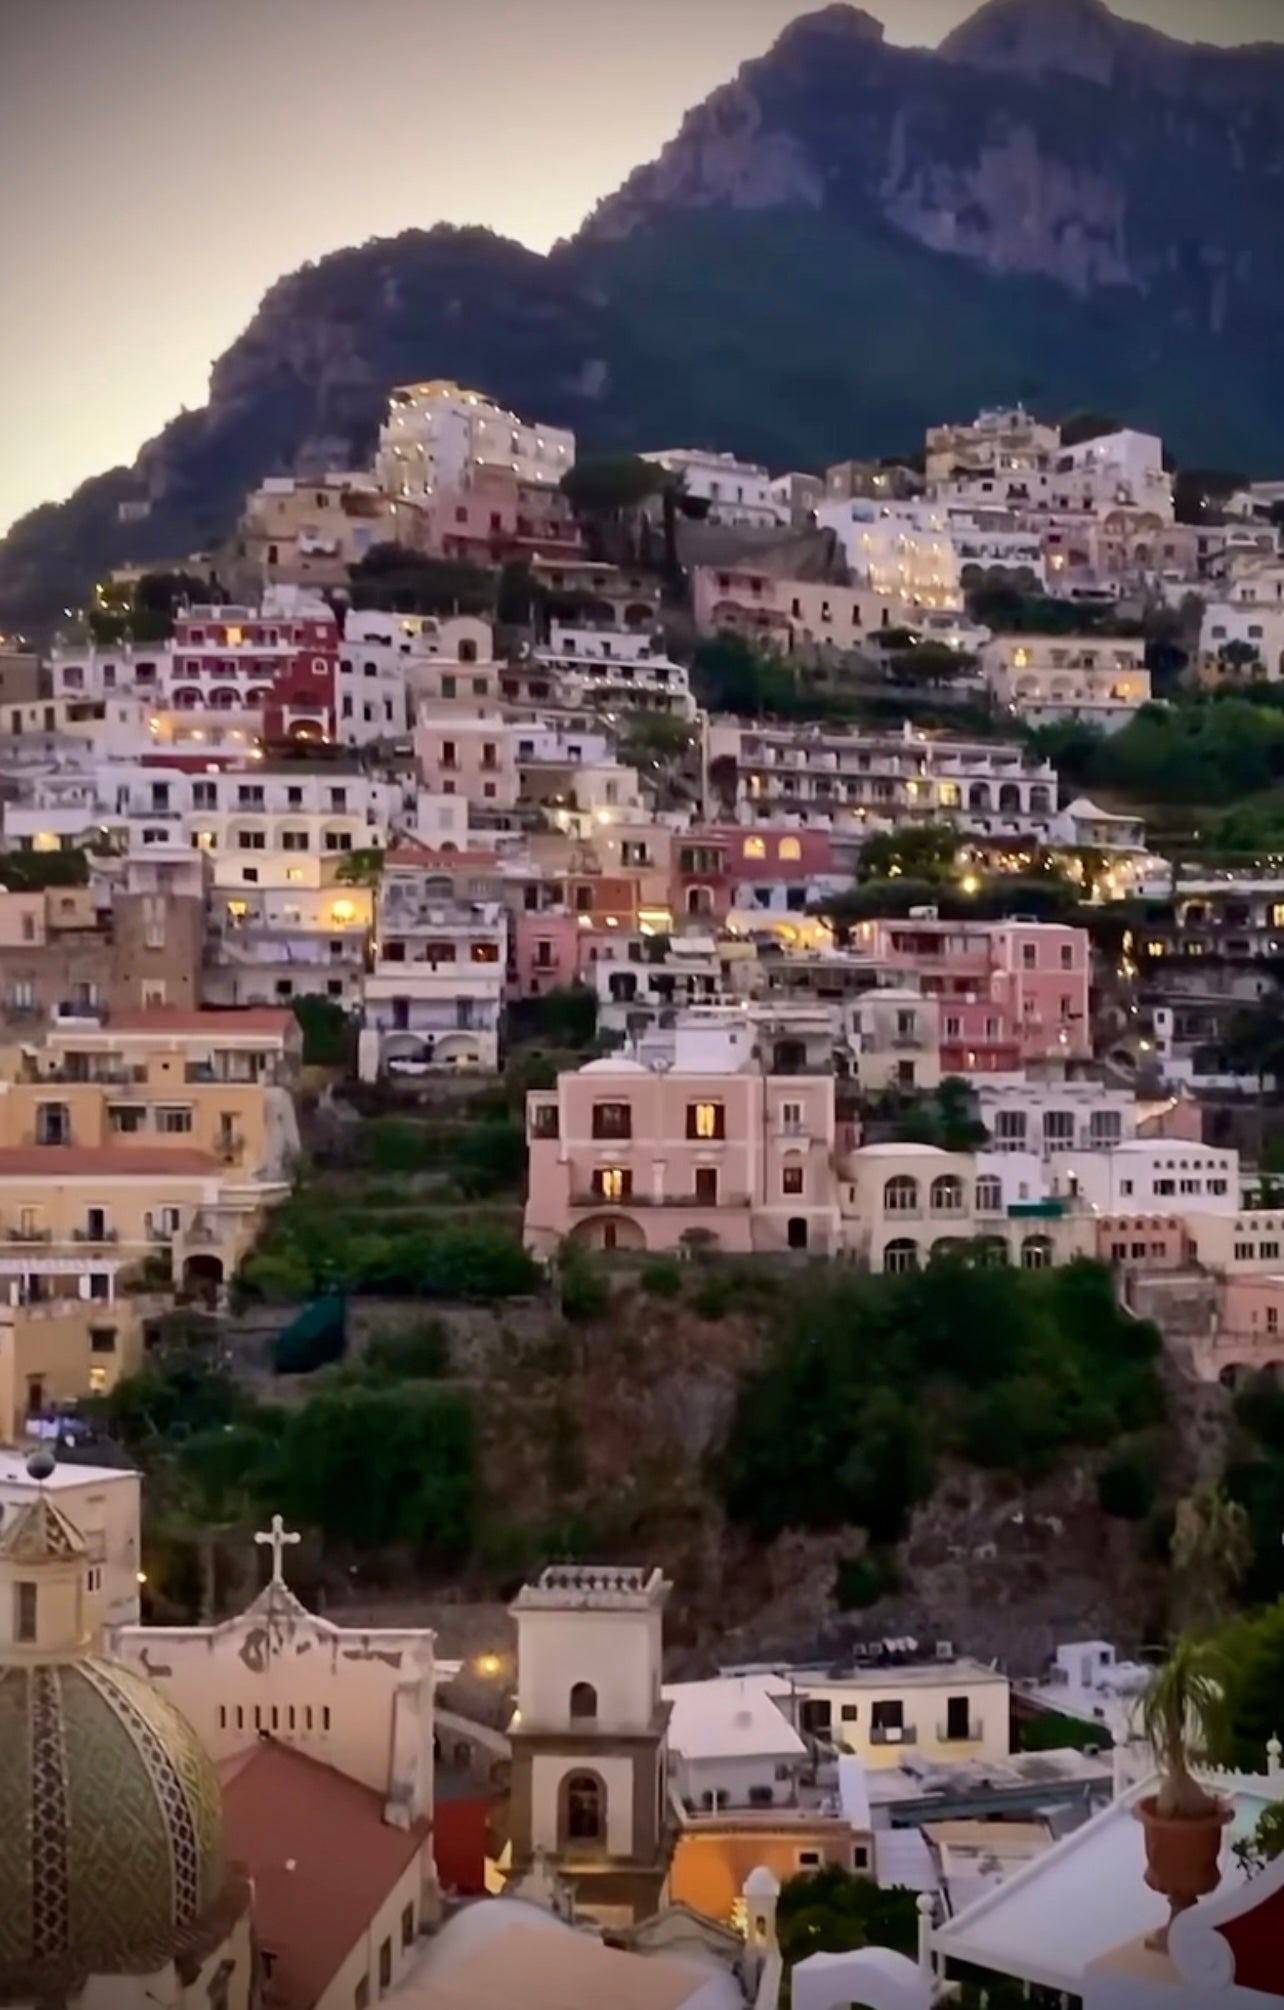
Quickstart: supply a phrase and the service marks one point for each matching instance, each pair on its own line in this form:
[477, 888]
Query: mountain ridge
[837, 245]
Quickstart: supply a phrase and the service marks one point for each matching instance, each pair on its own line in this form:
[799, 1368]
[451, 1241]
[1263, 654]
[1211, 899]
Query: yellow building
[132, 1151]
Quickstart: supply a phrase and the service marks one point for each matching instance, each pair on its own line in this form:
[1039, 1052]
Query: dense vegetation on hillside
[772, 291]
[871, 1380]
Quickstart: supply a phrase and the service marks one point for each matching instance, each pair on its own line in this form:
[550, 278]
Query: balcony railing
[950, 1734]
[29, 1234]
[686, 1200]
[893, 1734]
[95, 1235]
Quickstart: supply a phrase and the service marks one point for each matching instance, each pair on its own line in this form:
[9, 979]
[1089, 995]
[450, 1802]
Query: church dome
[111, 1844]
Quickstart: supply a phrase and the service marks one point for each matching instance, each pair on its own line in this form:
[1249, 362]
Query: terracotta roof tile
[265, 1019]
[322, 1858]
[106, 1161]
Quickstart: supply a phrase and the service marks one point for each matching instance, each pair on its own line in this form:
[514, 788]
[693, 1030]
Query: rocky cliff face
[843, 244]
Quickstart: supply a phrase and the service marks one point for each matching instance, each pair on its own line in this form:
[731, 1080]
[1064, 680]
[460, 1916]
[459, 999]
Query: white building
[903, 550]
[615, 670]
[842, 780]
[270, 945]
[439, 436]
[1152, 1176]
[1047, 1117]
[636, 989]
[434, 994]
[731, 1743]
[736, 491]
[1251, 613]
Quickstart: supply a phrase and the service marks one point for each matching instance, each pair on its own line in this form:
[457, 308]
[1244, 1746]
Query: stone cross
[276, 1537]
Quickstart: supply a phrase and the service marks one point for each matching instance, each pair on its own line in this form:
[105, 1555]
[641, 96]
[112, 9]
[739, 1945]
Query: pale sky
[163, 161]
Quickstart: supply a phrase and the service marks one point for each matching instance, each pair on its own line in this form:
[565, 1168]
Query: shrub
[860, 1581]
[419, 1353]
[583, 1290]
[1128, 1483]
[661, 1278]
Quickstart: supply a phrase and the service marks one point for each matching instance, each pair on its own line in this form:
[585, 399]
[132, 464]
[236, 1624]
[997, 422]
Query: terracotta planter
[1182, 1854]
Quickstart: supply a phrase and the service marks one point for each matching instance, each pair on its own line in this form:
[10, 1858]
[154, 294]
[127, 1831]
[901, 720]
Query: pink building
[1250, 1332]
[706, 1147]
[546, 952]
[1011, 991]
[469, 754]
[1142, 1242]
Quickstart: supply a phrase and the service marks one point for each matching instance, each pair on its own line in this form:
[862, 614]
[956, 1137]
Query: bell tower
[590, 1737]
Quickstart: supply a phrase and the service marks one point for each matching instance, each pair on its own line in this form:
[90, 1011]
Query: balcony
[689, 1201]
[98, 1237]
[951, 1734]
[893, 1734]
[29, 1235]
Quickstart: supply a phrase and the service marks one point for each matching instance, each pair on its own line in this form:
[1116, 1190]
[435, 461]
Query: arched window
[947, 1194]
[1010, 797]
[789, 848]
[755, 847]
[989, 1195]
[991, 1252]
[1040, 801]
[1036, 1253]
[584, 1808]
[900, 1195]
[583, 1700]
[901, 1256]
[978, 796]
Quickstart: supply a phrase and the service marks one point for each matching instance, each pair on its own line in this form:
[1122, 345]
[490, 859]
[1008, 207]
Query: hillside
[843, 244]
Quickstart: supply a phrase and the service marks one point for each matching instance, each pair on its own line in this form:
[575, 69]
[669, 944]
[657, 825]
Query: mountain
[843, 244]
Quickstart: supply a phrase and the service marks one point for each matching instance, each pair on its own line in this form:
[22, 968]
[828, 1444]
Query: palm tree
[1181, 1712]
[1212, 1547]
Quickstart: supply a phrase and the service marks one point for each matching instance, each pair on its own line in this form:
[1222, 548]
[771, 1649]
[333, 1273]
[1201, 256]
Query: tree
[1239, 656]
[360, 868]
[1211, 1549]
[611, 485]
[1083, 426]
[327, 1032]
[370, 1466]
[33, 871]
[408, 582]
[931, 663]
[832, 1911]
[911, 851]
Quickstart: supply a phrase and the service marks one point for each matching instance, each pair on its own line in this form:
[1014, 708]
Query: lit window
[611, 1183]
[755, 848]
[705, 1120]
[790, 848]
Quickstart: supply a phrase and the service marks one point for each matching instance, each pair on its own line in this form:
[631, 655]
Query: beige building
[310, 533]
[894, 1036]
[589, 1738]
[103, 1504]
[140, 1151]
[70, 948]
[904, 1204]
[1047, 678]
[469, 753]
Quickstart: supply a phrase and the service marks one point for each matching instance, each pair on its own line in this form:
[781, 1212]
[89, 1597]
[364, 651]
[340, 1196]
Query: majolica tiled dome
[111, 1843]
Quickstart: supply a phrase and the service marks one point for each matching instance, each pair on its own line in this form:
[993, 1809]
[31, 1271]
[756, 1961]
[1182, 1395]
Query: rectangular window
[958, 1723]
[849, 1713]
[408, 1926]
[174, 1122]
[706, 1120]
[24, 1611]
[613, 1183]
[385, 1966]
[1058, 1128]
[706, 1186]
[361, 1994]
[612, 1120]
[791, 1180]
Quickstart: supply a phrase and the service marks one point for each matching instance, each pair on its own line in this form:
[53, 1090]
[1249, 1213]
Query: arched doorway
[203, 1277]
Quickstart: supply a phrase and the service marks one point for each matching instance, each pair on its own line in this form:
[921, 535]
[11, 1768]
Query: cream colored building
[589, 1737]
[103, 1505]
[894, 1036]
[1102, 680]
[921, 1710]
[904, 1204]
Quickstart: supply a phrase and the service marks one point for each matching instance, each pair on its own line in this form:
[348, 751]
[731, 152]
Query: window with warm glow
[755, 848]
[790, 848]
[706, 1120]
